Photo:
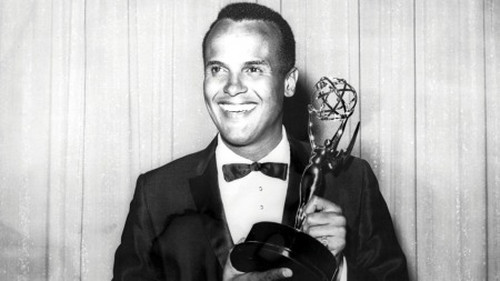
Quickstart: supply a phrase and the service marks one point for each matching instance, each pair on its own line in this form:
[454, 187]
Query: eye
[254, 69]
[215, 69]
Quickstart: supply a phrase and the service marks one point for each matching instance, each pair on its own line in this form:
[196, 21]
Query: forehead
[244, 32]
[262, 27]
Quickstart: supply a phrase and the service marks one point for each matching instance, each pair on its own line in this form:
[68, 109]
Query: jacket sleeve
[376, 253]
[134, 258]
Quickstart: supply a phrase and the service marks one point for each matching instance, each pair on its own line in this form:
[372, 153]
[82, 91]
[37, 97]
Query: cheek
[210, 88]
[265, 87]
[275, 94]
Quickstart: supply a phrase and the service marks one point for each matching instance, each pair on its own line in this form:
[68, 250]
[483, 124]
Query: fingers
[331, 236]
[325, 230]
[269, 275]
[272, 274]
[334, 244]
[318, 204]
[323, 218]
[325, 222]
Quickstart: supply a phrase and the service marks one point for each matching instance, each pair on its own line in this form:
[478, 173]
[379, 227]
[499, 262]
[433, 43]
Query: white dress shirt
[255, 197]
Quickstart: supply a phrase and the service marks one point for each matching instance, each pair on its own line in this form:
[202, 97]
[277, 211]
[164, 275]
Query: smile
[231, 107]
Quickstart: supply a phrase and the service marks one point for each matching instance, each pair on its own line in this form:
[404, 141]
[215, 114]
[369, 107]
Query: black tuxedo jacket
[176, 228]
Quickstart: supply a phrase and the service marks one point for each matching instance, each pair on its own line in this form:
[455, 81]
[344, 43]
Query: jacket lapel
[206, 195]
[299, 157]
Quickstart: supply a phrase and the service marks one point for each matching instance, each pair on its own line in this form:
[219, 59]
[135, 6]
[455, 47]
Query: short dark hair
[252, 11]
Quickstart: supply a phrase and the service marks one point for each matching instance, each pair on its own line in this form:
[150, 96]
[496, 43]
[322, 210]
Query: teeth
[237, 107]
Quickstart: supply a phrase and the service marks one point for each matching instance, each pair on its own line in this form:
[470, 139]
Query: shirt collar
[281, 153]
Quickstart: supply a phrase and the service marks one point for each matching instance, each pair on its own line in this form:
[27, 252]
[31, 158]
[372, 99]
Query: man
[186, 216]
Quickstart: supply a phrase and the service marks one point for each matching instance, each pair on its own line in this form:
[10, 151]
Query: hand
[325, 222]
[231, 274]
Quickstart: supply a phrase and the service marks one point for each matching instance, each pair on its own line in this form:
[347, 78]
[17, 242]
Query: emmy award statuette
[271, 245]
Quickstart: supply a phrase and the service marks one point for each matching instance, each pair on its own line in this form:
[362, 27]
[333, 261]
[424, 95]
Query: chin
[235, 139]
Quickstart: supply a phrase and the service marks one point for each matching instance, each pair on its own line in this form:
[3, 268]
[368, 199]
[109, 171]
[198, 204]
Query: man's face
[244, 87]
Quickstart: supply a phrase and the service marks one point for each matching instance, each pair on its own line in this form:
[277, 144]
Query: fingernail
[287, 273]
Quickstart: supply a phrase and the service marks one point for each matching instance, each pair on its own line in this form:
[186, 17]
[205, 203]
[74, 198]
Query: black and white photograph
[233, 140]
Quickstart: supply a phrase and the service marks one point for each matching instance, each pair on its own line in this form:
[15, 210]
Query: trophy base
[271, 245]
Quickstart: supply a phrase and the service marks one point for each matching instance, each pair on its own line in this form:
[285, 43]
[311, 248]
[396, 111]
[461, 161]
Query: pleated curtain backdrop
[93, 93]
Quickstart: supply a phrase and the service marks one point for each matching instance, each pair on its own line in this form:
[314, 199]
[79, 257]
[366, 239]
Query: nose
[234, 86]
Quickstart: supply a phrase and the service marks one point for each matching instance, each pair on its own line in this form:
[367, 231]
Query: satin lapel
[299, 157]
[205, 192]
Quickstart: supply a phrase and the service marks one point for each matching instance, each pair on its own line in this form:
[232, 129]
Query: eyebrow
[257, 62]
[214, 62]
[248, 63]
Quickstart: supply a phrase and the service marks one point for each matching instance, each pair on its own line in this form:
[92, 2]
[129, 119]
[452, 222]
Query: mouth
[237, 107]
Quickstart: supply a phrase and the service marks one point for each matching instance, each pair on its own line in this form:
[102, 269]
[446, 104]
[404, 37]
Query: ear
[291, 82]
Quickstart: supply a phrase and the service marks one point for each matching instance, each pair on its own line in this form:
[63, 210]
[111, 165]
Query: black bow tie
[239, 170]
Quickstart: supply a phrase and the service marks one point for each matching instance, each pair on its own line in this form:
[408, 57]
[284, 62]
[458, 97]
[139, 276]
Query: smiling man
[245, 85]
[186, 216]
